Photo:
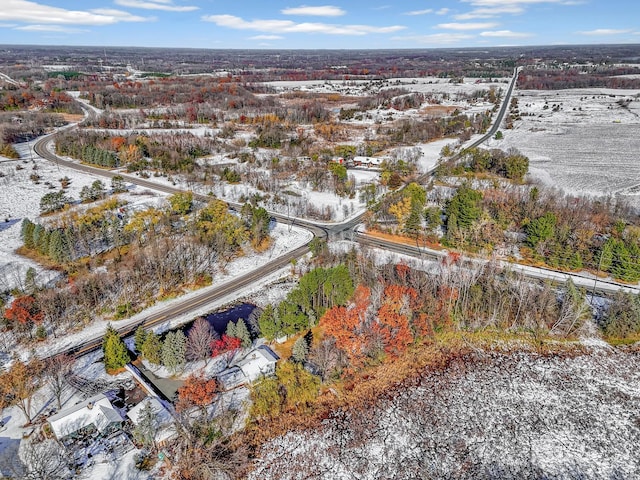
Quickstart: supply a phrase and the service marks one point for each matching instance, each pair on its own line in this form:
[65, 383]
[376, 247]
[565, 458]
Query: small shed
[95, 414]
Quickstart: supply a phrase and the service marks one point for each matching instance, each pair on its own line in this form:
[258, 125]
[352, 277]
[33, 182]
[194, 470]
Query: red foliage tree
[24, 312]
[196, 391]
[224, 345]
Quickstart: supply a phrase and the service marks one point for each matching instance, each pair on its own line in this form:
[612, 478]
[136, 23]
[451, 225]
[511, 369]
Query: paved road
[557, 277]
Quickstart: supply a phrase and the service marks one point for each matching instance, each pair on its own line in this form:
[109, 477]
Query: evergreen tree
[465, 205]
[97, 190]
[38, 233]
[231, 330]
[139, 338]
[152, 348]
[300, 350]
[30, 284]
[541, 229]
[174, 351]
[147, 427]
[57, 250]
[53, 201]
[43, 242]
[115, 351]
[269, 323]
[118, 184]
[27, 233]
[243, 333]
[413, 224]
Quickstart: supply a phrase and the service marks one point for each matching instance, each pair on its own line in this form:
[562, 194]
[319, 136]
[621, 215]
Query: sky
[340, 24]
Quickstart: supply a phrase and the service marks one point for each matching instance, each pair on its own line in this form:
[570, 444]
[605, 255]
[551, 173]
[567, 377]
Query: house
[166, 427]
[369, 162]
[95, 414]
[259, 362]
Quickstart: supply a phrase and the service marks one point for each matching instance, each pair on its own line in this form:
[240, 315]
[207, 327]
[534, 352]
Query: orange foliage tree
[196, 391]
[394, 316]
[346, 324]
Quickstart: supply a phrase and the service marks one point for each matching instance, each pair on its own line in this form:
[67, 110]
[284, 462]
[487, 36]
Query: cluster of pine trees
[317, 290]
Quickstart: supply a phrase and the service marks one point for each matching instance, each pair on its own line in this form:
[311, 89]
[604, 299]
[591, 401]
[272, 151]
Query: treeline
[76, 235]
[222, 93]
[24, 126]
[576, 78]
[165, 152]
[46, 101]
[511, 164]
[406, 132]
[480, 213]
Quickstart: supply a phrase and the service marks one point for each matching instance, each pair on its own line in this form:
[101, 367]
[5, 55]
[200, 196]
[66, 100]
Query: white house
[93, 414]
[369, 162]
[259, 362]
[166, 427]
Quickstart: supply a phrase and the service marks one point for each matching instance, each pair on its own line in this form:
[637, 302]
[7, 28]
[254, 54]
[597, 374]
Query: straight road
[557, 277]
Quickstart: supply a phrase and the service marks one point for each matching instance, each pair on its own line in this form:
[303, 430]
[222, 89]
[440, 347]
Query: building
[259, 362]
[368, 162]
[95, 414]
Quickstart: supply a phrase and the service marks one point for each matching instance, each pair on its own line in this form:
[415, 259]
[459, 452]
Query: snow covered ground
[485, 416]
[19, 199]
[583, 141]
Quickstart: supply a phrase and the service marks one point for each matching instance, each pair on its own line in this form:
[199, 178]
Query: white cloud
[502, 3]
[287, 26]
[489, 12]
[604, 31]
[505, 34]
[436, 39]
[121, 16]
[466, 26]
[35, 13]
[266, 37]
[419, 12]
[50, 28]
[156, 5]
[442, 11]
[320, 11]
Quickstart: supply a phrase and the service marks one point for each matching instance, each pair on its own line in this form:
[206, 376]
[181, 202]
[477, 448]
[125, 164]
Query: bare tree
[56, 371]
[42, 460]
[199, 340]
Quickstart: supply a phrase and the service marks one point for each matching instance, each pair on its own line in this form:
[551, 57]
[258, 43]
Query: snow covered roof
[231, 378]
[96, 411]
[166, 428]
[260, 361]
[368, 160]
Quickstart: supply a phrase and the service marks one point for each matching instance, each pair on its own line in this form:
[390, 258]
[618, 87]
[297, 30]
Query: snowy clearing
[488, 416]
[588, 145]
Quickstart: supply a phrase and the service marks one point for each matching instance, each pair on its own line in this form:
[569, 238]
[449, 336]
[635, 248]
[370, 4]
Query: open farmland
[582, 140]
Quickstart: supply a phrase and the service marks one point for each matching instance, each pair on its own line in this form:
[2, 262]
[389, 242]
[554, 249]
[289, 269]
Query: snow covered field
[585, 141]
[19, 199]
[487, 416]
